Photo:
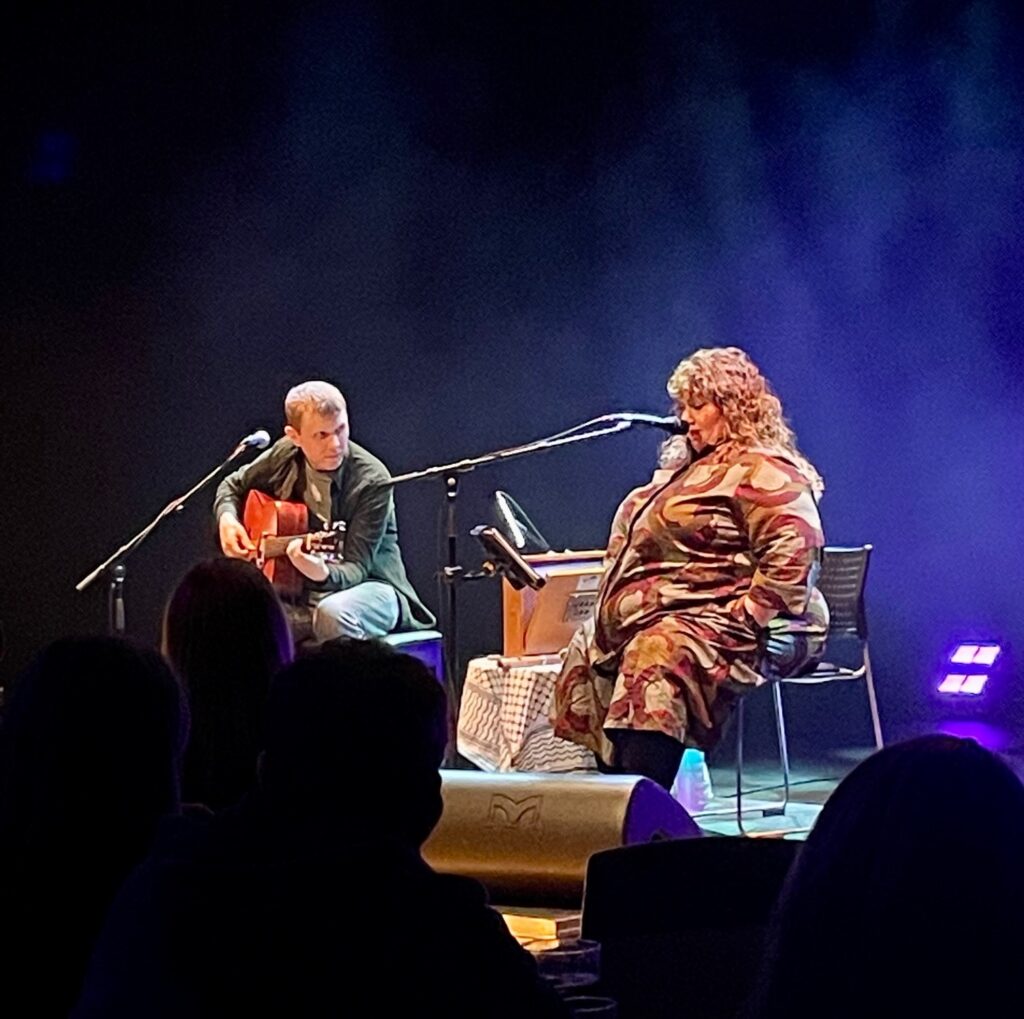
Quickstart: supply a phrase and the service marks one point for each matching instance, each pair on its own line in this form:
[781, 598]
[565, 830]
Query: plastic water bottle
[692, 787]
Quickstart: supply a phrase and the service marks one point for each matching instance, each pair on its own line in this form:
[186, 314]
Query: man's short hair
[318, 397]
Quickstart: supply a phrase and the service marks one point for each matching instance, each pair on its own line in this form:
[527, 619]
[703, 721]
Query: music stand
[510, 518]
[505, 560]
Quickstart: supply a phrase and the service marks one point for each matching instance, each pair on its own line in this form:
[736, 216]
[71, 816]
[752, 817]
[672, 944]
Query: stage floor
[811, 783]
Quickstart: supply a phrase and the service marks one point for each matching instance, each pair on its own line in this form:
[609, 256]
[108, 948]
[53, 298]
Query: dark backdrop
[488, 221]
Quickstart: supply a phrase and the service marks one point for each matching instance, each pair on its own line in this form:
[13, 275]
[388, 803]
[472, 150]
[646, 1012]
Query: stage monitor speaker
[527, 837]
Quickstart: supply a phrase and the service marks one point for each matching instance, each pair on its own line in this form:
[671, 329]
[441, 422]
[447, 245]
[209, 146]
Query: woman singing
[700, 561]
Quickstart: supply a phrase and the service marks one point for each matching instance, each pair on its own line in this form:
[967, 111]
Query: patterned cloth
[699, 562]
[503, 719]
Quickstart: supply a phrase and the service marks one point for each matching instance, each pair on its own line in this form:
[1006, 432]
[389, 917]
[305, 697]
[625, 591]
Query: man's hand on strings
[234, 539]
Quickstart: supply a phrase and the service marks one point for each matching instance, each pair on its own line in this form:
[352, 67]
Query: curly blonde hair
[728, 378]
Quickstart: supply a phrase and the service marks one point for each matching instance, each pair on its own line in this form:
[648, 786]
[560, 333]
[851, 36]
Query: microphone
[670, 424]
[258, 440]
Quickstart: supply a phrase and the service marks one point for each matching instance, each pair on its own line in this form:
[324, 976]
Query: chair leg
[780, 728]
[876, 723]
[739, 767]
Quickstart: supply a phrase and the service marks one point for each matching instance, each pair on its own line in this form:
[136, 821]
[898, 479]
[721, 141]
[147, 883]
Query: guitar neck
[273, 546]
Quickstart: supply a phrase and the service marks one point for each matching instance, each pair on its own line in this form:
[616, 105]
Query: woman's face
[707, 424]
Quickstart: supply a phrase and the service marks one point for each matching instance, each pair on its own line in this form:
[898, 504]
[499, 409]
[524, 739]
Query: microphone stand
[115, 563]
[451, 572]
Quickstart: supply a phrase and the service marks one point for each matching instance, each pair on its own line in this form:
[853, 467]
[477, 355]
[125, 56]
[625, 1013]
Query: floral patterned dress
[699, 561]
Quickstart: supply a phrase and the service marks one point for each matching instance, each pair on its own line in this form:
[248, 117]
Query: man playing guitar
[367, 593]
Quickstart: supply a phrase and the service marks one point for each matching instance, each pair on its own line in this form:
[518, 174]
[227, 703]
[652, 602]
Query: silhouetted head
[90, 748]
[356, 732]
[225, 615]
[225, 634]
[910, 887]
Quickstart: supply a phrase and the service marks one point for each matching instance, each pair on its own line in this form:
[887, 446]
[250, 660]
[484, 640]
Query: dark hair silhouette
[279, 906]
[226, 635]
[322, 759]
[909, 891]
[89, 758]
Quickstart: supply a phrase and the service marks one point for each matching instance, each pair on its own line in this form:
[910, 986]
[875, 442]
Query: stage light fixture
[979, 656]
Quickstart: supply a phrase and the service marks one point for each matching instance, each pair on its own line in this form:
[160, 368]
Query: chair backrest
[843, 574]
[682, 923]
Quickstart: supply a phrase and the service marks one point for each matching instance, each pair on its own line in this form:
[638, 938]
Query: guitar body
[264, 517]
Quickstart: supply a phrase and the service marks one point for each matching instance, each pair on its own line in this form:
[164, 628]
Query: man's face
[323, 438]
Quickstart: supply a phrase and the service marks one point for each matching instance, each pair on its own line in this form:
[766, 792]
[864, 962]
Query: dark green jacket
[361, 496]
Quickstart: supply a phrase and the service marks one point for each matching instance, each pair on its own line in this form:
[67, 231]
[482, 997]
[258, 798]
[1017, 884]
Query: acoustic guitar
[273, 524]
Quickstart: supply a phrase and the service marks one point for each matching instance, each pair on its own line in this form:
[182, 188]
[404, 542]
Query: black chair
[682, 923]
[842, 580]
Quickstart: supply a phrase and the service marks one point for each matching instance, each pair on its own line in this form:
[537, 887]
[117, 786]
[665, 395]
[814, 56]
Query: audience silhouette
[908, 896]
[225, 633]
[311, 898]
[89, 756]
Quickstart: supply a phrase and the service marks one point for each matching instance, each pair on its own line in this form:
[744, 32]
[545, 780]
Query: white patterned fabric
[503, 719]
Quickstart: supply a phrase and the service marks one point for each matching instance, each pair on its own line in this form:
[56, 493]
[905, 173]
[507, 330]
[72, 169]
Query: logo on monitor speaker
[506, 812]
